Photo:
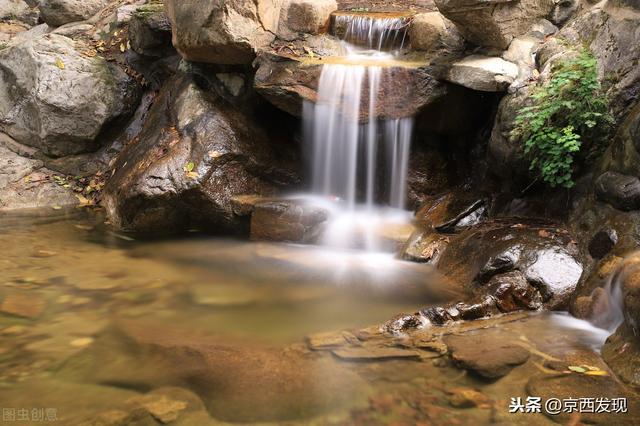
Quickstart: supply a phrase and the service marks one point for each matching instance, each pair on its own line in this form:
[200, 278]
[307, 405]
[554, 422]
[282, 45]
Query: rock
[511, 292]
[308, 16]
[546, 256]
[287, 220]
[195, 153]
[467, 398]
[621, 352]
[330, 340]
[25, 305]
[241, 384]
[59, 100]
[602, 243]
[485, 354]
[483, 73]
[619, 190]
[60, 12]
[150, 31]
[430, 31]
[563, 11]
[18, 10]
[375, 353]
[402, 323]
[424, 247]
[453, 212]
[222, 32]
[25, 183]
[405, 90]
[494, 23]
[522, 50]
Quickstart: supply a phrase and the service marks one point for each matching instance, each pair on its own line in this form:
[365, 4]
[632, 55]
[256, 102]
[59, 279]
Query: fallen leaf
[577, 369]
[122, 47]
[59, 63]
[189, 167]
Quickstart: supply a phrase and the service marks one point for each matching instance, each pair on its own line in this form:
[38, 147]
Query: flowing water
[358, 158]
[96, 325]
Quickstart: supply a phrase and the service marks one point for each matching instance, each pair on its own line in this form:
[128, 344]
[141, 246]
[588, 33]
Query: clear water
[101, 312]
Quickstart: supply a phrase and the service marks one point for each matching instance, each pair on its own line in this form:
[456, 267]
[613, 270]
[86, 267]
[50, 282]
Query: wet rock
[402, 323]
[494, 23]
[512, 292]
[57, 99]
[439, 315]
[482, 73]
[150, 31]
[452, 212]
[307, 16]
[23, 305]
[424, 247]
[222, 32]
[375, 353]
[619, 190]
[430, 31]
[287, 220]
[25, 183]
[288, 83]
[487, 355]
[195, 153]
[482, 309]
[546, 256]
[621, 352]
[59, 12]
[602, 243]
[331, 340]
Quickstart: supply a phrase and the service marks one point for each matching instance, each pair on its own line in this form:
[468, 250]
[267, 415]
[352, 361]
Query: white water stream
[358, 160]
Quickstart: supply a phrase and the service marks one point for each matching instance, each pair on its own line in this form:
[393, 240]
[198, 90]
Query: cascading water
[359, 160]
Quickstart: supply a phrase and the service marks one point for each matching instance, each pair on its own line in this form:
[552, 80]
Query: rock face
[194, 154]
[494, 23]
[55, 98]
[287, 84]
[18, 10]
[222, 31]
[308, 16]
[60, 12]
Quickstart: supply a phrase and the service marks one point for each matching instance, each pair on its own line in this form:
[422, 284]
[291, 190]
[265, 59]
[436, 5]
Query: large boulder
[307, 16]
[19, 10]
[619, 190]
[494, 23]
[56, 98]
[431, 30]
[482, 73]
[222, 31]
[150, 31]
[60, 12]
[195, 153]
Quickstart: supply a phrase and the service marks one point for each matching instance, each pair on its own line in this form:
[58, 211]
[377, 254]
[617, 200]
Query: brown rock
[287, 220]
[485, 354]
[23, 305]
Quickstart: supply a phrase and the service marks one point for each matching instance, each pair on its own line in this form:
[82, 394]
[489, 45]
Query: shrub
[568, 123]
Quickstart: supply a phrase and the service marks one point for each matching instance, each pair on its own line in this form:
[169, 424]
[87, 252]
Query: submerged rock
[195, 153]
[59, 12]
[56, 98]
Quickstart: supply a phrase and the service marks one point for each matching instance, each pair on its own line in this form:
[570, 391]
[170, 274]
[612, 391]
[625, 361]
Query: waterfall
[358, 158]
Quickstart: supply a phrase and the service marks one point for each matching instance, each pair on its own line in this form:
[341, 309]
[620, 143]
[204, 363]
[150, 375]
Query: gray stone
[307, 16]
[57, 99]
[60, 12]
[483, 73]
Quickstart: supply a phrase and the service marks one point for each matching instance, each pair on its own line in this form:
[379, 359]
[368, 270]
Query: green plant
[568, 122]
